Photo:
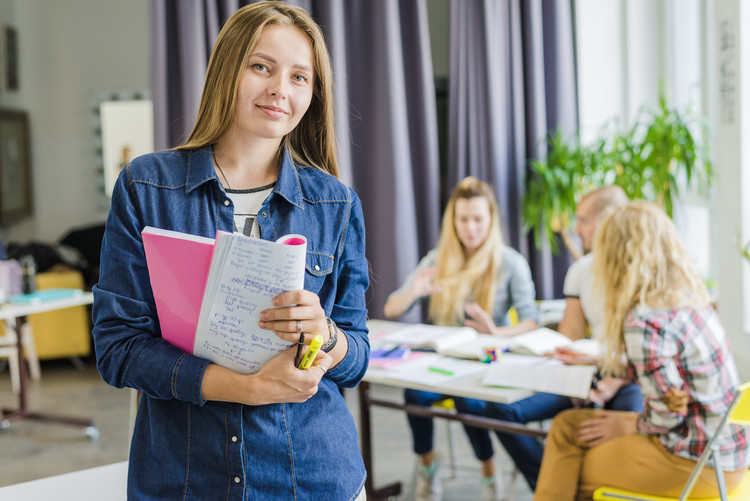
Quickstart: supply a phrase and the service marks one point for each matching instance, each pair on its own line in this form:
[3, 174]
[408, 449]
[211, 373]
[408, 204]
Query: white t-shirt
[247, 203]
[578, 284]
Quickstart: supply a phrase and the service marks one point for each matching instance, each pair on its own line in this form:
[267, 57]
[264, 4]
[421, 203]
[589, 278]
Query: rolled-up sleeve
[349, 311]
[129, 348]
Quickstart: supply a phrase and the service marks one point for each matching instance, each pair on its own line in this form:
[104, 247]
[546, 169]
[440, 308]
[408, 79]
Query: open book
[544, 340]
[540, 374]
[209, 293]
[465, 342]
[434, 337]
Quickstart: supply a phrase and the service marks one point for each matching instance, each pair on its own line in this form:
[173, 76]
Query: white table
[94, 484]
[469, 387]
[19, 312]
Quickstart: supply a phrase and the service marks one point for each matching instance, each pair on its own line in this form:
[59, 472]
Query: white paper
[475, 348]
[547, 377]
[437, 337]
[540, 341]
[586, 346]
[521, 359]
[246, 273]
[432, 369]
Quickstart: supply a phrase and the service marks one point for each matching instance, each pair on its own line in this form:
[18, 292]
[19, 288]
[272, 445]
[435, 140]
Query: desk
[470, 387]
[19, 312]
[94, 484]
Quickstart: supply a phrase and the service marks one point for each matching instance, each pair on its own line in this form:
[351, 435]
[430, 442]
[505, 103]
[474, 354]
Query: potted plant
[744, 250]
[651, 160]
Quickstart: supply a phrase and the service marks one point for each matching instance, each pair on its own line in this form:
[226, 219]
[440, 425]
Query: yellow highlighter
[311, 352]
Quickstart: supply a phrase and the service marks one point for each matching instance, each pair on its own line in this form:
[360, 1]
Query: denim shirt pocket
[318, 266]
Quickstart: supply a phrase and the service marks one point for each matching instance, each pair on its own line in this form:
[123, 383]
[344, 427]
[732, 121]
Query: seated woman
[472, 279]
[660, 321]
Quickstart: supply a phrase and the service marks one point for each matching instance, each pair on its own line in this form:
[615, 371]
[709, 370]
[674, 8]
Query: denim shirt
[515, 288]
[187, 448]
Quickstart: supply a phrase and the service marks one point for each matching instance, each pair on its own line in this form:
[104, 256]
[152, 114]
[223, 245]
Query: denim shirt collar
[201, 169]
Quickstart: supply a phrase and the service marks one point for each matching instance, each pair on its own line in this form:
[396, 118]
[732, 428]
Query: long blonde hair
[460, 277]
[639, 259]
[313, 141]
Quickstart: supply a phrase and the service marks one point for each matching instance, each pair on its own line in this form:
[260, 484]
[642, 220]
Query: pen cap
[316, 342]
[311, 352]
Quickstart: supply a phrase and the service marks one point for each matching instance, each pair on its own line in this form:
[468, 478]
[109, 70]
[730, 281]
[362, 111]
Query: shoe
[429, 487]
[493, 492]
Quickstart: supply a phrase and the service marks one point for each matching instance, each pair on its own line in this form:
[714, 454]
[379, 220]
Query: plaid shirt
[686, 348]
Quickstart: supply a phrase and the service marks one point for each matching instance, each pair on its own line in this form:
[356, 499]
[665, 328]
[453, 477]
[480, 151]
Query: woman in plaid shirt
[661, 322]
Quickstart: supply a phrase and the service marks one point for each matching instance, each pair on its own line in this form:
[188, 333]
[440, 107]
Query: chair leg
[15, 375]
[511, 490]
[720, 482]
[29, 349]
[452, 447]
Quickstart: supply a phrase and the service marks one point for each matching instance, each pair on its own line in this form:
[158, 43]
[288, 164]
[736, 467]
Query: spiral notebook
[209, 292]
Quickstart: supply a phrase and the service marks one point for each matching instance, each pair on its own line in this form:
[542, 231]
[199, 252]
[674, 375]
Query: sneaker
[429, 486]
[492, 492]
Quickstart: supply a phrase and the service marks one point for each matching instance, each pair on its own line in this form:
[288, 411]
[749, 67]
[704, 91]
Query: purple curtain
[385, 100]
[512, 81]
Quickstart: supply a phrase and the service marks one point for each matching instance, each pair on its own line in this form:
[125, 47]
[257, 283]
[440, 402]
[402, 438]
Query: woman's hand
[280, 381]
[295, 312]
[606, 389]
[572, 357]
[606, 426]
[480, 321]
[676, 400]
[422, 284]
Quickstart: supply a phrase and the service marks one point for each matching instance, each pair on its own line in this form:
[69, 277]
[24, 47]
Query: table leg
[23, 411]
[366, 435]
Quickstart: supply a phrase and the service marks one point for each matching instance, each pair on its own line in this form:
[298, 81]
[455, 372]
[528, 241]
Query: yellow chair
[738, 413]
[62, 333]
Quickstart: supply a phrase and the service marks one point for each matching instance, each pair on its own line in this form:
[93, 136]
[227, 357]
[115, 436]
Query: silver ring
[321, 368]
[299, 325]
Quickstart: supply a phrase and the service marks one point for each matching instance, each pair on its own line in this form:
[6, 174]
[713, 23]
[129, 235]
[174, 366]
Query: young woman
[659, 319]
[262, 160]
[471, 279]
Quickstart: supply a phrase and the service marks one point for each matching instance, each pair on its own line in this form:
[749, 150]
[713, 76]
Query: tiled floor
[33, 449]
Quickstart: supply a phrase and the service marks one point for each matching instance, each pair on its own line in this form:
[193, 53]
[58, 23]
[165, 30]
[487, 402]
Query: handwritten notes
[246, 273]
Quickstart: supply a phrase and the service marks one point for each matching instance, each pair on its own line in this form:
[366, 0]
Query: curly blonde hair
[639, 259]
[458, 276]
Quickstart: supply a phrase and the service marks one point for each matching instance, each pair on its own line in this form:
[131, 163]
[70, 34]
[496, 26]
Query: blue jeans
[422, 428]
[526, 452]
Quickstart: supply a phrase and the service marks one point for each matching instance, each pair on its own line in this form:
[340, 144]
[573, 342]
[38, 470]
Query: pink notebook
[178, 265]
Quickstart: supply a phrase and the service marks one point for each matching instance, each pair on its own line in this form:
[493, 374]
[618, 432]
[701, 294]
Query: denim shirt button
[264, 214]
[317, 267]
[236, 480]
[227, 202]
[234, 438]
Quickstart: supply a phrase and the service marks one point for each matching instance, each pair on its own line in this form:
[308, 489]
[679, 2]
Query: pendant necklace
[213, 154]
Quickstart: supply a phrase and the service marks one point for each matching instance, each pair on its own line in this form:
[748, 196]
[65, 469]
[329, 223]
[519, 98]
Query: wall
[625, 47]
[67, 50]
[731, 98]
